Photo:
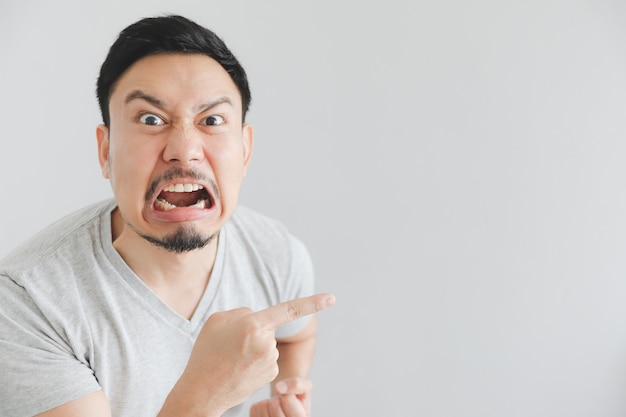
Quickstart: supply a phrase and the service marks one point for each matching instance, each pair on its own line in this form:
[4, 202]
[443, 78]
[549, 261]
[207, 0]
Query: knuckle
[274, 371]
[293, 311]
[251, 325]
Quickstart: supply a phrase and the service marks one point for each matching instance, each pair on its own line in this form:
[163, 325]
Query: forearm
[295, 358]
[296, 353]
[182, 402]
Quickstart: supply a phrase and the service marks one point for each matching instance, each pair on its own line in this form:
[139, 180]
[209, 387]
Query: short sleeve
[38, 370]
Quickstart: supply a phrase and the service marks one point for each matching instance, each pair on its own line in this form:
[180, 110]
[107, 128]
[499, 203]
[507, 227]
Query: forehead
[176, 79]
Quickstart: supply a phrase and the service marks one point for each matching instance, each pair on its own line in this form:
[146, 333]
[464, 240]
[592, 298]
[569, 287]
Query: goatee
[185, 239]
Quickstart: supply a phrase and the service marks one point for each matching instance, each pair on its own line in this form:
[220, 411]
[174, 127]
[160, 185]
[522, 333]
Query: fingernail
[280, 387]
[330, 301]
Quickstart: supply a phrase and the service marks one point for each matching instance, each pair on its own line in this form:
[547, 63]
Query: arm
[92, 405]
[296, 353]
[234, 355]
[291, 390]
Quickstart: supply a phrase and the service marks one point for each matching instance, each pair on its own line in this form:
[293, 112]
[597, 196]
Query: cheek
[228, 165]
[228, 170]
[130, 168]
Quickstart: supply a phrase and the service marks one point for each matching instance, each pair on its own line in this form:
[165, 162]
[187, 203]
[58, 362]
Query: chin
[184, 239]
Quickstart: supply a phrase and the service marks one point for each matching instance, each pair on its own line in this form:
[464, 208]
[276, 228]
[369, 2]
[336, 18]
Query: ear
[248, 144]
[102, 134]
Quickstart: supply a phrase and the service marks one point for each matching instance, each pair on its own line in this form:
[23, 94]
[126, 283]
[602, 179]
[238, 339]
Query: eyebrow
[209, 105]
[140, 95]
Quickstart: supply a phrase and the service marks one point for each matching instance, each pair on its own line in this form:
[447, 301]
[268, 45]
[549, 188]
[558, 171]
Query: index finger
[283, 313]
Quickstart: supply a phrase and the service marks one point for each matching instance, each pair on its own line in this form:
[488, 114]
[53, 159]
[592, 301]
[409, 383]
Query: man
[169, 300]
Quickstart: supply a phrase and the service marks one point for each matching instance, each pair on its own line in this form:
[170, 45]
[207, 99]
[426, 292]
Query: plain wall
[456, 169]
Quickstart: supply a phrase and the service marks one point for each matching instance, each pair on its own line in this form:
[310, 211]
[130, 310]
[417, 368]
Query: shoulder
[270, 239]
[63, 232]
[247, 219]
[267, 234]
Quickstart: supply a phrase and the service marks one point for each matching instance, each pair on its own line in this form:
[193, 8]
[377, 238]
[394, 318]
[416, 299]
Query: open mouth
[183, 196]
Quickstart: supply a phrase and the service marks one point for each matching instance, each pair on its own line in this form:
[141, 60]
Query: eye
[213, 120]
[151, 119]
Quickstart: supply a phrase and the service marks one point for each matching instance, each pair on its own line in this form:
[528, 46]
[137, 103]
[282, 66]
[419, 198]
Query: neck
[179, 279]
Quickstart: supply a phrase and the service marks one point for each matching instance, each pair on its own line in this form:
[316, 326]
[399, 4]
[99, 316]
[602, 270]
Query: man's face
[176, 151]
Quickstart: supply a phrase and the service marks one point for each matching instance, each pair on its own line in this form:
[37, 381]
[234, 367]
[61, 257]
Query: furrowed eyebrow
[140, 95]
[214, 103]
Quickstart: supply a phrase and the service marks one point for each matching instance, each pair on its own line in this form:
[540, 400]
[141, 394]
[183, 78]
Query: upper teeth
[182, 188]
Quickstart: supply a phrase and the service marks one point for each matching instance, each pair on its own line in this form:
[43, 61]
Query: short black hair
[165, 34]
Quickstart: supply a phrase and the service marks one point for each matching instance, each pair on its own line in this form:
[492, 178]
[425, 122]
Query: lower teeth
[167, 206]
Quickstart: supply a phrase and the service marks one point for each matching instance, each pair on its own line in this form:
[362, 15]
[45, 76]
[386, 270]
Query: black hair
[165, 34]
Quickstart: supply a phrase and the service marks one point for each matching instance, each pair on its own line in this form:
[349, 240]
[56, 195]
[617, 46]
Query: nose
[184, 145]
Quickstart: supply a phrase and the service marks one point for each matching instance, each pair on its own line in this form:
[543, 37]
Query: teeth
[164, 205]
[182, 188]
[201, 204]
[167, 206]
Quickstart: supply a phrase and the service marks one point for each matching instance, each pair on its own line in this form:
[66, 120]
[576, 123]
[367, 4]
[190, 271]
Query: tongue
[180, 199]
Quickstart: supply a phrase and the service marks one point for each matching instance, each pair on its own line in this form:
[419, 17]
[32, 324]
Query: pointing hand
[235, 353]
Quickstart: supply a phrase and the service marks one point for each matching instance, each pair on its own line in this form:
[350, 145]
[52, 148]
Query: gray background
[455, 167]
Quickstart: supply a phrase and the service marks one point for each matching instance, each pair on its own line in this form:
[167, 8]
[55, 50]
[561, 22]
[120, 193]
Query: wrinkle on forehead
[163, 80]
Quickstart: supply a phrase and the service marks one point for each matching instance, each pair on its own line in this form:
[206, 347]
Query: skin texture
[176, 119]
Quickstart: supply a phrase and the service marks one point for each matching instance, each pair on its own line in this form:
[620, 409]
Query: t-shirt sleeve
[38, 369]
[300, 283]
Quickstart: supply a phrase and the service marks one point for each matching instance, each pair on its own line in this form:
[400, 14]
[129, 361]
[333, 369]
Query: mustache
[177, 172]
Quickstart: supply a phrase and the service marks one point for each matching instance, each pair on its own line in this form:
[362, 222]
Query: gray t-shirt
[74, 318]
